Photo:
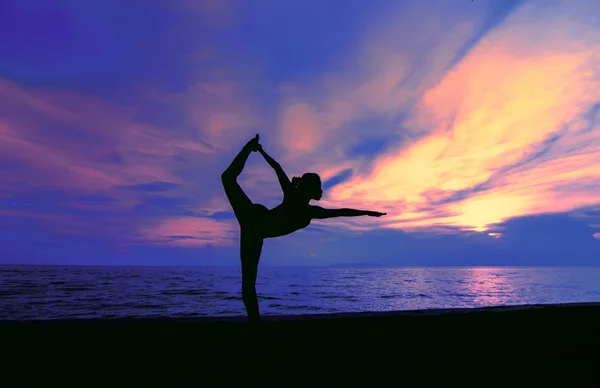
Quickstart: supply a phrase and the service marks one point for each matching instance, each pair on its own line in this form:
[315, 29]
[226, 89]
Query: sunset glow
[454, 120]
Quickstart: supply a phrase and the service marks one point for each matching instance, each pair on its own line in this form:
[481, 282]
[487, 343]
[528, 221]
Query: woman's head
[309, 184]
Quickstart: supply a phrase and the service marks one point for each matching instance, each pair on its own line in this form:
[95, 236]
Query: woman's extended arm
[320, 213]
[284, 181]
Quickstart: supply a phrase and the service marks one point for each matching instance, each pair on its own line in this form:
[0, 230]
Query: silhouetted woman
[257, 222]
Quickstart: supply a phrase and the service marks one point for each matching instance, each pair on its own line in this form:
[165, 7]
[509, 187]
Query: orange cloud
[512, 96]
[383, 82]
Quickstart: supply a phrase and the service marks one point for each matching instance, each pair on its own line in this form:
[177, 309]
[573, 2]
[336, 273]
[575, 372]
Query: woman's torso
[288, 217]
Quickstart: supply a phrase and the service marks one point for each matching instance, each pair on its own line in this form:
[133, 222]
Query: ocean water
[51, 292]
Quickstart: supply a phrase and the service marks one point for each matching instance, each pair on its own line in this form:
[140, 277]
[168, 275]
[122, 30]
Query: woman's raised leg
[236, 196]
[250, 243]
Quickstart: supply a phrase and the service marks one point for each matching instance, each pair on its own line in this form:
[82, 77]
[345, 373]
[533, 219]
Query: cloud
[342, 119]
[450, 119]
[152, 187]
[485, 122]
[82, 145]
[190, 231]
[300, 131]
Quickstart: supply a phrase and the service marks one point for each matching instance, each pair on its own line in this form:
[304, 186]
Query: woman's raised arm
[284, 181]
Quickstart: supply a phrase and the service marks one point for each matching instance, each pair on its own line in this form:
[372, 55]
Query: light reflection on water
[388, 289]
[87, 292]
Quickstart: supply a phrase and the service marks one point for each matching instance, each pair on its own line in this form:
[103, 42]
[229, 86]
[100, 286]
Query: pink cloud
[300, 128]
[223, 112]
[83, 145]
[33, 133]
[190, 232]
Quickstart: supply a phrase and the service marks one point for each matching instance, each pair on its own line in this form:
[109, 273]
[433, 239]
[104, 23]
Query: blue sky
[474, 124]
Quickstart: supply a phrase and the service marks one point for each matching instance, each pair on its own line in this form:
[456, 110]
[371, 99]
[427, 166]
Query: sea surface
[53, 292]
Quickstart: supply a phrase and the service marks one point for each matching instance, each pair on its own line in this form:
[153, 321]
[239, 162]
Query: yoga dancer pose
[257, 222]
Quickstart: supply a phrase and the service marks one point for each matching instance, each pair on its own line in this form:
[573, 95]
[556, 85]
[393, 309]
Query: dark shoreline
[356, 349]
[271, 319]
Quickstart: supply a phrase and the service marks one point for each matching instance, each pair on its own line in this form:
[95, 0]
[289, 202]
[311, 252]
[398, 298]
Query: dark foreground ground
[507, 346]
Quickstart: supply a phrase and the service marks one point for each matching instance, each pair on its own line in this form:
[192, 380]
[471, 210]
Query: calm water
[29, 292]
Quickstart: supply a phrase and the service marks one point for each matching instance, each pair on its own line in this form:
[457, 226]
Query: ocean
[54, 292]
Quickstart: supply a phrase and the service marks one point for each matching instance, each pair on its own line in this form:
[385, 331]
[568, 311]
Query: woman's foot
[253, 145]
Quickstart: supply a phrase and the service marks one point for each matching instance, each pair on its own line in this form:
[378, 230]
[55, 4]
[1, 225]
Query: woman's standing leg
[250, 250]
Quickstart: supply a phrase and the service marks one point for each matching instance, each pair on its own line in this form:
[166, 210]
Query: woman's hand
[253, 145]
[375, 214]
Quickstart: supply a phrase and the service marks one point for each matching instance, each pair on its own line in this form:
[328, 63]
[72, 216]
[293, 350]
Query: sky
[475, 125]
